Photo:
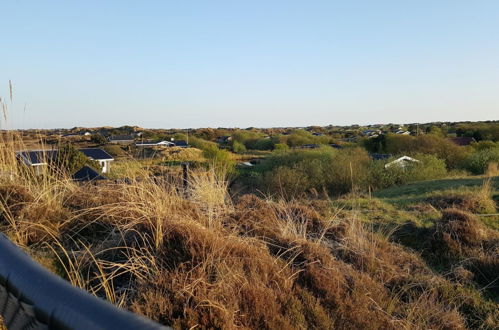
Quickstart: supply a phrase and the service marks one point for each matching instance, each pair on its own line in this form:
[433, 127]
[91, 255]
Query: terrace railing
[33, 298]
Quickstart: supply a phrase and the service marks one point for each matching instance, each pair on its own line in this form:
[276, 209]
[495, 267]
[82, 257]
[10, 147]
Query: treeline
[291, 173]
[475, 158]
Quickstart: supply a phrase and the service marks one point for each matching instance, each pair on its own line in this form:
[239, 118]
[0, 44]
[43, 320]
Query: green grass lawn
[418, 191]
[402, 197]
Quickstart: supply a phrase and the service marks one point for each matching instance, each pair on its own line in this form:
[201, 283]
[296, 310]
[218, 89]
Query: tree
[70, 159]
[98, 139]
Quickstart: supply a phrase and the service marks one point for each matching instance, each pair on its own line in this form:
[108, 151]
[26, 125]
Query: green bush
[429, 167]
[71, 159]
[454, 156]
[381, 177]
[201, 143]
[281, 146]
[221, 160]
[238, 147]
[291, 173]
[349, 170]
[479, 161]
[98, 139]
[263, 144]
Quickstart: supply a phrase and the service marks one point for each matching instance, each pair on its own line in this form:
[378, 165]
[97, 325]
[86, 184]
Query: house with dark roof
[87, 173]
[181, 143]
[308, 146]
[462, 140]
[102, 157]
[224, 139]
[38, 159]
[376, 156]
[335, 146]
[121, 139]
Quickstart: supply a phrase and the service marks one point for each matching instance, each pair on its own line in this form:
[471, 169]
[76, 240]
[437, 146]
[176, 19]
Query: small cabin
[102, 157]
[402, 162]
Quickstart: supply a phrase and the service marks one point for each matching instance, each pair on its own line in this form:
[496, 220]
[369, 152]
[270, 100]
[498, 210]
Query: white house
[39, 159]
[402, 162]
[154, 144]
[100, 156]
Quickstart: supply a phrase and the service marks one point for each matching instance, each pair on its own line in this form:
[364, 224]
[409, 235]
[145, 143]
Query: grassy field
[477, 189]
[418, 191]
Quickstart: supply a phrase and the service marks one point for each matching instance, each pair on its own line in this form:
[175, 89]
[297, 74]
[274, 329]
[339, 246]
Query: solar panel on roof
[96, 153]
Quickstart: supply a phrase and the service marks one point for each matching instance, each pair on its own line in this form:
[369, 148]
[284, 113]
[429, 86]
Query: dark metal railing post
[185, 176]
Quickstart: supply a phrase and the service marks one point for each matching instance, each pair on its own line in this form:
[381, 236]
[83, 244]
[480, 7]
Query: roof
[309, 146]
[380, 156]
[223, 139]
[462, 140]
[180, 143]
[155, 143]
[336, 146]
[86, 173]
[121, 138]
[402, 161]
[41, 157]
[36, 157]
[96, 153]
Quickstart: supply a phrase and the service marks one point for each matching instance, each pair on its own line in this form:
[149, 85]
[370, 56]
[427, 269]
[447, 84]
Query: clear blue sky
[248, 63]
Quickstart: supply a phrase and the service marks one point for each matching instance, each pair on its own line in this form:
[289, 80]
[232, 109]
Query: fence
[33, 298]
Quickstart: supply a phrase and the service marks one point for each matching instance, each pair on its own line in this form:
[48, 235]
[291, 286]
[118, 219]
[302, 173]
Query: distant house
[181, 143]
[154, 144]
[401, 162]
[121, 139]
[245, 164]
[308, 146]
[371, 133]
[376, 156]
[335, 146]
[401, 132]
[86, 173]
[38, 159]
[317, 134]
[100, 156]
[462, 140]
[224, 139]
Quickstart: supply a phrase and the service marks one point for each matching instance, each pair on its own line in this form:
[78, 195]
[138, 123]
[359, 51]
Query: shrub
[453, 155]
[201, 143]
[349, 170]
[263, 144]
[479, 161]
[71, 159]
[296, 172]
[238, 147]
[429, 167]
[381, 177]
[281, 146]
[220, 159]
